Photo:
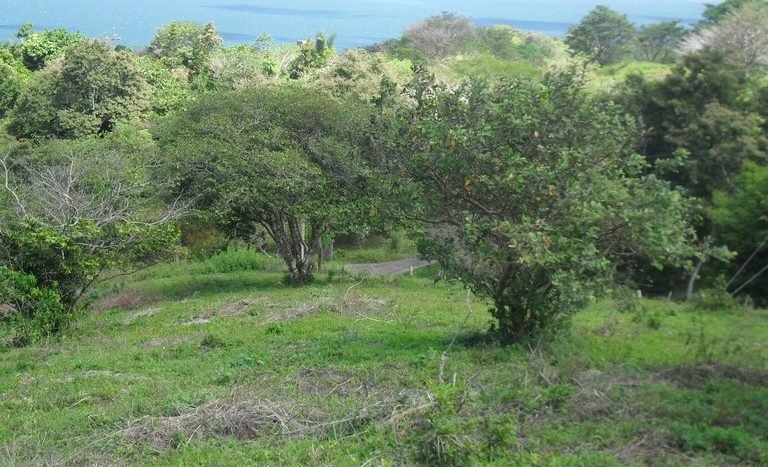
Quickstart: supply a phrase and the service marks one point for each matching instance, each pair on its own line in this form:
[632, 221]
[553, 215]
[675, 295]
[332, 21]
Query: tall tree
[742, 34]
[696, 111]
[714, 13]
[88, 91]
[603, 36]
[532, 196]
[40, 48]
[286, 160]
[439, 35]
[72, 211]
[185, 45]
[659, 42]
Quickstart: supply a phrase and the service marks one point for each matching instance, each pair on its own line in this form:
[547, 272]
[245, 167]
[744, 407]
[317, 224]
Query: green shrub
[30, 311]
[237, 259]
[716, 298]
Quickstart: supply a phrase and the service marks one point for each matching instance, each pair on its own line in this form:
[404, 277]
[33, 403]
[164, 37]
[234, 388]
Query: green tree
[696, 111]
[242, 66]
[186, 44]
[168, 92]
[89, 91]
[71, 211]
[39, 48]
[659, 42]
[313, 54]
[714, 13]
[740, 218]
[10, 88]
[603, 36]
[718, 143]
[285, 160]
[532, 196]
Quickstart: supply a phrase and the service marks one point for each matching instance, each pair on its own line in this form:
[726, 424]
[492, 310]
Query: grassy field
[195, 364]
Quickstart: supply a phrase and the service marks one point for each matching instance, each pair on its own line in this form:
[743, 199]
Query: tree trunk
[692, 281]
[328, 251]
[289, 234]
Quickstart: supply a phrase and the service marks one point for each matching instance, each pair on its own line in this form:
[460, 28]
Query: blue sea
[356, 22]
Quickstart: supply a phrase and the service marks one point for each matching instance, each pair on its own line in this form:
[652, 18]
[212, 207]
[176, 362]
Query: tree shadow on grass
[210, 285]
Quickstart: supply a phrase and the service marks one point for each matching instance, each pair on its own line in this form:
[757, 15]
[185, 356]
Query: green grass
[231, 368]
[610, 77]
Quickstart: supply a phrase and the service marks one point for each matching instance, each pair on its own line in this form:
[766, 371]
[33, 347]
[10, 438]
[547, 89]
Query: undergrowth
[186, 365]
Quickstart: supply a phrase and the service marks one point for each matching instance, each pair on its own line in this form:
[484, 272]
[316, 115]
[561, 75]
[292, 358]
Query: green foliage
[313, 54]
[205, 44]
[10, 88]
[168, 92]
[237, 259]
[714, 13]
[696, 109]
[603, 36]
[37, 49]
[659, 42]
[32, 312]
[509, 44]
[740, 218]
[242, 66]
[719, 141]
[74, 210]
[286, 160]
[358, 74]
[532, 195]
[490, 67]
[90, 90]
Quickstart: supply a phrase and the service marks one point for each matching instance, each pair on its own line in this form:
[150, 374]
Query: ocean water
[356, 22]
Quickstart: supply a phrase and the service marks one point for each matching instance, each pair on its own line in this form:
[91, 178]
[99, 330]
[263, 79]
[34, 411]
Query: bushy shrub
[31, 311]
[238, 259]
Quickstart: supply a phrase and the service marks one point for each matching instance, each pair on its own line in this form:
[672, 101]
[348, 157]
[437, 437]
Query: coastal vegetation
[177, 224]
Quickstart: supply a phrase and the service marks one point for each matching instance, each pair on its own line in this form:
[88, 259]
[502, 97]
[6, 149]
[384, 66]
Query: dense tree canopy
[72, 210]
[90, 90]
[284, 159]
[742, 34]
[603, 36]
[440, 35]
[532, 194]
[39, 48]
[659, 42]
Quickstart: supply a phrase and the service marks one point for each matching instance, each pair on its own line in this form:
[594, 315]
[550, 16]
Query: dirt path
[393, 268]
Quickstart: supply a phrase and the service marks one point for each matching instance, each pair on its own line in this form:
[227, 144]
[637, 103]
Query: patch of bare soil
[140, 314]
[231, 309]
[695, 376]
[292, 312]
[359, 304]
[154, 343]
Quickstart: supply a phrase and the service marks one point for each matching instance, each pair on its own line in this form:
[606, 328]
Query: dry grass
[140, 314]
[326, 382]
[249, 419]
[154, 343]
[230, 309]
[291, 313]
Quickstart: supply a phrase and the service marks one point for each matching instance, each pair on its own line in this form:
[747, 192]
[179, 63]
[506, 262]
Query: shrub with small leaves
[32, 312]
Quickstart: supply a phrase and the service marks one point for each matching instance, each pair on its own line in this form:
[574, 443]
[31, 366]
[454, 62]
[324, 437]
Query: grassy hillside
[185, 364]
